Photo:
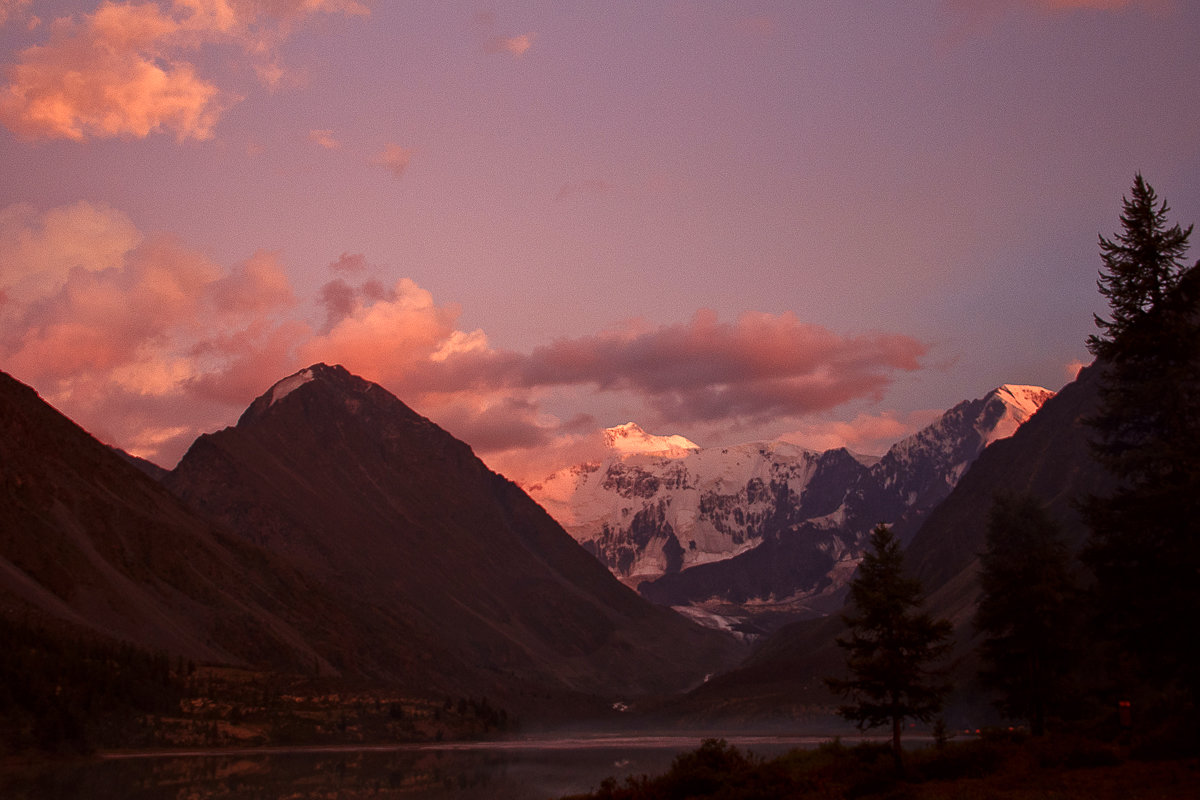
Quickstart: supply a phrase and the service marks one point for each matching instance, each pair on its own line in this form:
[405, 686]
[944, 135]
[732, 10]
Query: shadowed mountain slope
[89, 543]
[383, 508]
[1048, 457]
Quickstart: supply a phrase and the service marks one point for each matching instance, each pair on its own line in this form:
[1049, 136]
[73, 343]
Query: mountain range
[749, 537]
[1047, 458]
[333, 531]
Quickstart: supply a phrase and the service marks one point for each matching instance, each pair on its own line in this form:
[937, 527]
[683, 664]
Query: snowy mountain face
[769, 529]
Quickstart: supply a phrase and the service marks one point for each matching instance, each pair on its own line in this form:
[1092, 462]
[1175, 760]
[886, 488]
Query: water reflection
[517, 771]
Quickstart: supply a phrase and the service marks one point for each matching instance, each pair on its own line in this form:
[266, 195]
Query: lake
[527, 769]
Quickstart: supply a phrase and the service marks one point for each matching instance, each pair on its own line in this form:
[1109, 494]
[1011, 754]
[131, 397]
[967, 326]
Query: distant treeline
[64, 693]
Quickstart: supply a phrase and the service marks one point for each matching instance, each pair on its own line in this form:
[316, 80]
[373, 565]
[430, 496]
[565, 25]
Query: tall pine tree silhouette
[1145, 544]
[892, 646]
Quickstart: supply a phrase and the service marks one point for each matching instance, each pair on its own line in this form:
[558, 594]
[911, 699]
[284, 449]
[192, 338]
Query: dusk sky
[823, 221]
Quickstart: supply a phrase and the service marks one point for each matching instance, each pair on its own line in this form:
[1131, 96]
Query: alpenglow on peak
[630, 439]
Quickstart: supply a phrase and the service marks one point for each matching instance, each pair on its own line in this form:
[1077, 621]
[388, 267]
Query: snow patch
[289, 385]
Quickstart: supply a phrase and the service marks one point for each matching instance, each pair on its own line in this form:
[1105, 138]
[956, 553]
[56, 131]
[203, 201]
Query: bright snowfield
[289, 385]
[1023, 402]
[587, 497]
[630, 439]
[712, 498]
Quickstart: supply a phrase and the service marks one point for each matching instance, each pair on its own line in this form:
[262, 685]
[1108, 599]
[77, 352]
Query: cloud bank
[148, 343]
[129, 69]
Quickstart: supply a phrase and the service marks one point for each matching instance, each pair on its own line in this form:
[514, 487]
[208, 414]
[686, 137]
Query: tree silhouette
[1026, 609]
[1144, 549]
[891, 646]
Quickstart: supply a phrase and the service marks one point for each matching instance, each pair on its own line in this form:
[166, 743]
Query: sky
[825, 222]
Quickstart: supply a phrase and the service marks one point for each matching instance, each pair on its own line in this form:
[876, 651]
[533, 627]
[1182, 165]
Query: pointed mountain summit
[463, 581]
[766, 529]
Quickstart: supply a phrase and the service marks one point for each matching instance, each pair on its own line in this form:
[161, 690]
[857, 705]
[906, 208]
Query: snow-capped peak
[289, 385]
[1021, 403]
[1025, 399]
[630, 439]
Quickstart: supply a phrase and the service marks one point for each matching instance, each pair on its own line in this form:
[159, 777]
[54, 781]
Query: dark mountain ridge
[91, 544]
[1047, 457]
[381, 507]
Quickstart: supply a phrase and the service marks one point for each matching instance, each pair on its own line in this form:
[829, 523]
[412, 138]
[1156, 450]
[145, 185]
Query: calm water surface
[536, 769]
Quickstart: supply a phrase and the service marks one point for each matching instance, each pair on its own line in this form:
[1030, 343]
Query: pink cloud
[127, 70]
[255, 285]
[324, 138]
[870, 434]
[395, 158]
[385, 340]
[13, 9]
[510, 423]
[233, 367]
[138, 319]
[762, 365]
[110, 74]
[116, 327]
[513, 45]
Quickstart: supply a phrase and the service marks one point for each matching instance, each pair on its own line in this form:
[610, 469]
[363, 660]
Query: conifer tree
[1144, 547]
[1026, 609]
[891, 646]
[1142, 265]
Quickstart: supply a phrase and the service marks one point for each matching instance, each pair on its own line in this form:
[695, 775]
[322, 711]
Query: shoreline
[598, 741]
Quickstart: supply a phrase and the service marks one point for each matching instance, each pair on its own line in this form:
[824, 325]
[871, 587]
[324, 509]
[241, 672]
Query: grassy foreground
[983, 769]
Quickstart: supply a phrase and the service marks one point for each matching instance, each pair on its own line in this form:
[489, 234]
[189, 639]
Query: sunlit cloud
[762, 365]
[395, 158]
[513, 45]
[147, 341]
[129, 69]
[109, 76]
[41, 250]
[869, 434]
[324, 138]
[13, 9]
[99, 312]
